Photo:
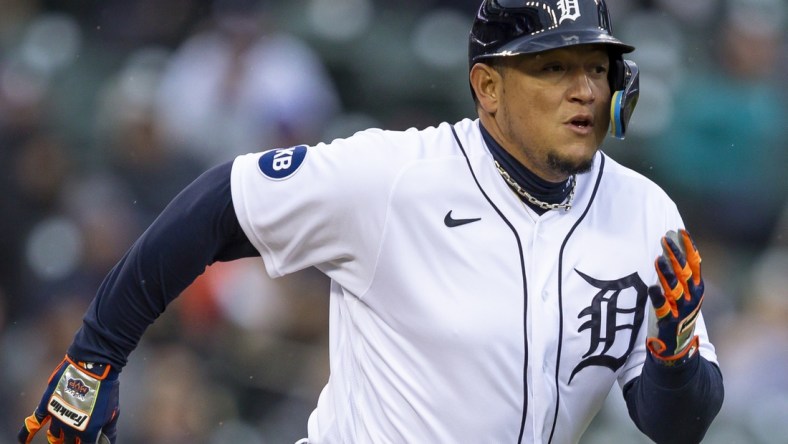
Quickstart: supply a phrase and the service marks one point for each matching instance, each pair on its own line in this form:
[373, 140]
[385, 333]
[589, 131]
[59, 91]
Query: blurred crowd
[109, 107]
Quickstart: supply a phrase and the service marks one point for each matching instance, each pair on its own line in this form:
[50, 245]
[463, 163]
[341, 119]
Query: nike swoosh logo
[452, 222]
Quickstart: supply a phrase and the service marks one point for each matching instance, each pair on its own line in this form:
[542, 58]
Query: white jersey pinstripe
[510, 328]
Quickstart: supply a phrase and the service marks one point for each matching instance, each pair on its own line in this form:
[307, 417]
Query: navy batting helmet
[511, 27]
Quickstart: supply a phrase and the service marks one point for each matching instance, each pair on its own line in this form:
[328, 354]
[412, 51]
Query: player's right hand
[81, 401]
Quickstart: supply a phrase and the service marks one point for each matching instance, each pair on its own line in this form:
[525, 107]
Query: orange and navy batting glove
[676, 300]
[81, 402]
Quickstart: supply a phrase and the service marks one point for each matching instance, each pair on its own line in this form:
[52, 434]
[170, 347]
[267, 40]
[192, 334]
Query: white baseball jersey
[458, 314]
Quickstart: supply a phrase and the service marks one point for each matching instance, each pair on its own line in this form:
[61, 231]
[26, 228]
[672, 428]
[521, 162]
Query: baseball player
[491, 279]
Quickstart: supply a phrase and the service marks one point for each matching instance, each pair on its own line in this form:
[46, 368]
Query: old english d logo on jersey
[618, 305]
[281, 163]
[570, 10]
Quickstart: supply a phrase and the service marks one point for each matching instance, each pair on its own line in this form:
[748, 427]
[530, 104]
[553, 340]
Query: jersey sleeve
[196, 229]
[675, 405]
[322, 206]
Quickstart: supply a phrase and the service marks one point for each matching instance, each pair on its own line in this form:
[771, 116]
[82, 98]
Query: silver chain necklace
[541, 204]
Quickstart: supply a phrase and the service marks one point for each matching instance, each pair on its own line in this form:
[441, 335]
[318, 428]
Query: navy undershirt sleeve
[198, 228]
[675, 405]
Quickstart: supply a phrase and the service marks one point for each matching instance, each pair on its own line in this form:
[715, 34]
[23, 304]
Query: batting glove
[676, 300]
[81, 400]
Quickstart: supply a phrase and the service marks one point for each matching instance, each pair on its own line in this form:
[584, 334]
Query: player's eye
[598, 70]
[554, 68]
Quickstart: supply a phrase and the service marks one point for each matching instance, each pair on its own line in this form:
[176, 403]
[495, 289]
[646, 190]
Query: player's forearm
[675, 405]
[199, 227]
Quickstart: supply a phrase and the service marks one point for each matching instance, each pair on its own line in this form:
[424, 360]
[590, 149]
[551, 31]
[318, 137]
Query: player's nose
[581, 88]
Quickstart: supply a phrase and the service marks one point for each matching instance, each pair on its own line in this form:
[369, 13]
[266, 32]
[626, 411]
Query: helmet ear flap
[625, 83]
[616, 75]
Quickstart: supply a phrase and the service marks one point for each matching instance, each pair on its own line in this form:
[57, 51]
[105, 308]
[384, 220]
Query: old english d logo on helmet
[570, 10]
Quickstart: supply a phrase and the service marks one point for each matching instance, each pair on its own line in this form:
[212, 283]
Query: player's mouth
[582, 124]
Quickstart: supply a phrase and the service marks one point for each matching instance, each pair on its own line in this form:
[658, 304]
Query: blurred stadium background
[109, 107]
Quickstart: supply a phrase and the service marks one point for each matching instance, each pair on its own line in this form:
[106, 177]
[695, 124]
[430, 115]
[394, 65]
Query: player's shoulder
[631, 198]
[373, 154]
[407, 145]
[620, 177]
[619, 174]
[412, 136]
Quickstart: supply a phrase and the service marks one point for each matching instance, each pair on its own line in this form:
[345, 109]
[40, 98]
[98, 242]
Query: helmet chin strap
[623, 102]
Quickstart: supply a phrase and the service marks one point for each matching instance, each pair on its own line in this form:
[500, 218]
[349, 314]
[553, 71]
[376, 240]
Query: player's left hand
[676, 299]
[81, 402]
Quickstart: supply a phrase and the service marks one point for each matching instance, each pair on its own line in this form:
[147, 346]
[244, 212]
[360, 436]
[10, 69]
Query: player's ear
[486, 83]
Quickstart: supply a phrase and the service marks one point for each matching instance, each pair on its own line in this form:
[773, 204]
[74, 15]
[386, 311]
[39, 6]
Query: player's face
[553, 111]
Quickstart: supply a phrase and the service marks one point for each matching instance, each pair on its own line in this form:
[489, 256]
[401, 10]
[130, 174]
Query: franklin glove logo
[80, 404]
[67, 414]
